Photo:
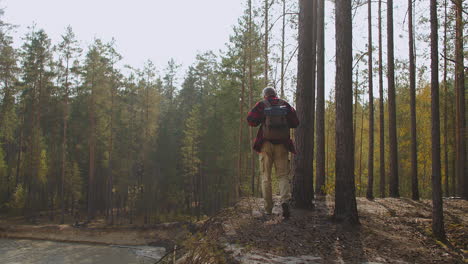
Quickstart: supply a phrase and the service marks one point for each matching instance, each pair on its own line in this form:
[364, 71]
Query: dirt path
[22, 251]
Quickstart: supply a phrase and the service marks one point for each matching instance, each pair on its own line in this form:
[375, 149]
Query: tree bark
[412, 86]
[283, 45]
[394, 183]
[370, 163]
[381, 110]
[446, 143]
[437, 210]
[252, 154]
[303, 191]
[266, 42]
[345, 194]
[92, 146]
[461, 162]
[237, 189]
[64, 143]
[320, 158]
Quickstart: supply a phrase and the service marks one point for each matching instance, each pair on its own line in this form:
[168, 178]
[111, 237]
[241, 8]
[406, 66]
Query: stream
[15, 251]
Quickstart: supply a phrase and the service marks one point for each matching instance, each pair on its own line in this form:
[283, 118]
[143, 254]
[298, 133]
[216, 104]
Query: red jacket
[256, 117]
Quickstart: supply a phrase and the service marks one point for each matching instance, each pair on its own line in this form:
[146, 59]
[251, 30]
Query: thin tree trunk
[394, 183]
[381, 110]
[370, 163]
[356, 98]
[283, 44]
[237, 189]
[446, 161]
[360, 151]
[437, 211]
[92, 145]
[412, 84]
[266, 42]
[320, 159]
[252, 154]
[303, 191]
[345, 194]
[461, 162]
[111, 138]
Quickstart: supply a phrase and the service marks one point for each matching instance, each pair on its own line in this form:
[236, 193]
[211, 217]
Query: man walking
[273, 142]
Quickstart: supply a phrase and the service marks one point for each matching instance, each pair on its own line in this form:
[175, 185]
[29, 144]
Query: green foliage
[18, 200]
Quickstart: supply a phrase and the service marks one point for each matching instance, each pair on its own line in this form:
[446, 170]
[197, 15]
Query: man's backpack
[276, 125]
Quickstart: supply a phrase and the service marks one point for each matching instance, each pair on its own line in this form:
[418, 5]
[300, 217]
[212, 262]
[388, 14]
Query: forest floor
[390, 231]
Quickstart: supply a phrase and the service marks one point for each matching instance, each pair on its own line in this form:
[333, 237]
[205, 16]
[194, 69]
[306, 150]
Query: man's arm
[256, 116]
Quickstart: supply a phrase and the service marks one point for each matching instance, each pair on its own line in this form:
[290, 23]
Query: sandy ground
[13, 251]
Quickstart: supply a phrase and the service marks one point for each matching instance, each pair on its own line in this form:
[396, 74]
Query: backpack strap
[266, 103]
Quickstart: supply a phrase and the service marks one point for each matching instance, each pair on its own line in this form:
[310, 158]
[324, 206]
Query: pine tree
[303, 191]
[412, 87]
[370, 169]
[461, 155]
[394, 182]
[320, 160]
[345, 196]
[68, 51]
[437, 210]
[381, 109]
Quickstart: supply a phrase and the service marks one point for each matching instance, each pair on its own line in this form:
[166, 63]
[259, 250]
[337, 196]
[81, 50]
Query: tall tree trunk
[283, 45]
[110, 151]
[237, 189]
[437, 211]
[267, 6]
[303, 191]
[381, 110]
[320, 119]
[360, 151]
[394, 185]
[370, 163]
[461, 162]
[446, 143]
[251, 136]
[345, 193]
[92, 146]
[412, 86]
[64, 144]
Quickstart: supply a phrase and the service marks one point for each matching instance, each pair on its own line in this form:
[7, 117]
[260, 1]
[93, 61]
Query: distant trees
[80, 136]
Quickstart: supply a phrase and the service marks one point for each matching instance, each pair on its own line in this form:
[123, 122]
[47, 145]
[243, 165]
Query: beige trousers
[276, 155]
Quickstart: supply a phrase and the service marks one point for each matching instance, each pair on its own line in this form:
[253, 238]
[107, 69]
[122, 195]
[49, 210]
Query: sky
[143, 29]
[163, 29]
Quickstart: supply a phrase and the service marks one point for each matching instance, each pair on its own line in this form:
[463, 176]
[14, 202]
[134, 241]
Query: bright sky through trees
[156, 29]
[161, 29]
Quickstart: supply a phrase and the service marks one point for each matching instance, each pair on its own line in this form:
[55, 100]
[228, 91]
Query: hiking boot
[286, 213]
